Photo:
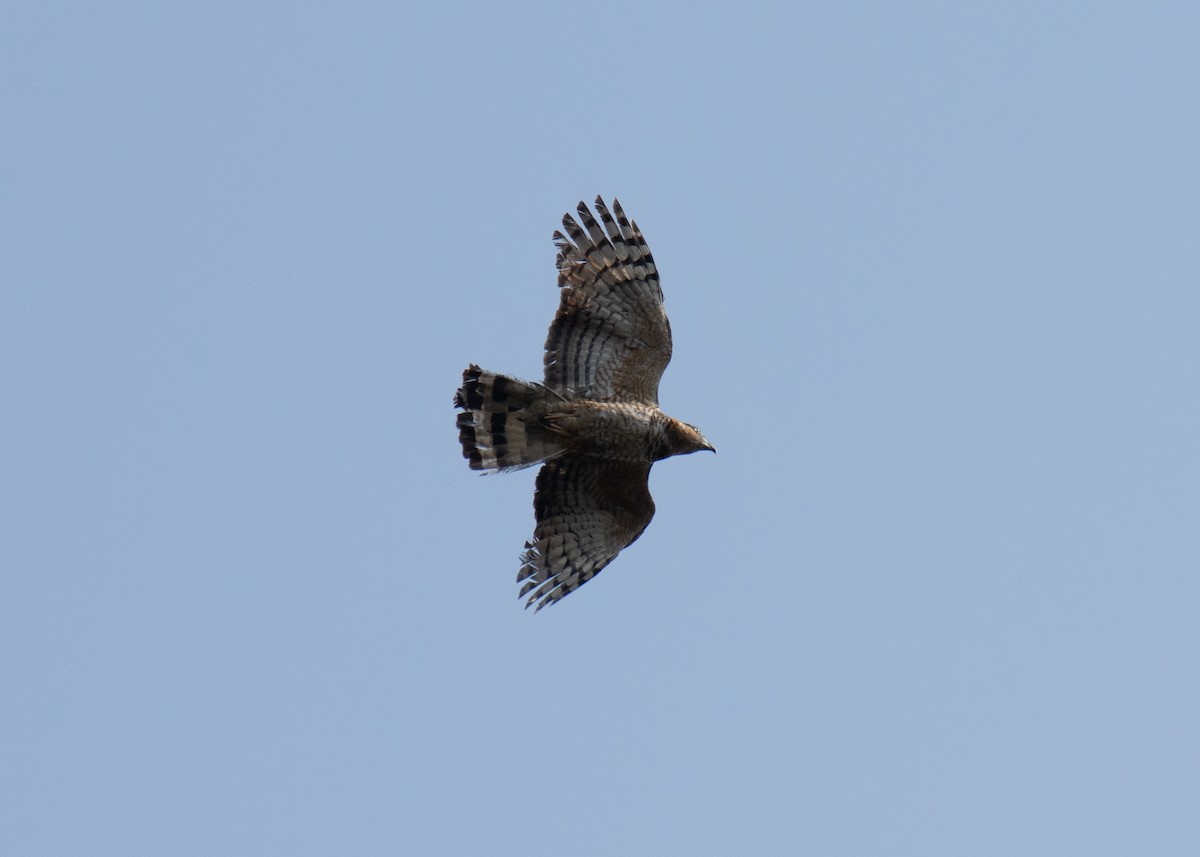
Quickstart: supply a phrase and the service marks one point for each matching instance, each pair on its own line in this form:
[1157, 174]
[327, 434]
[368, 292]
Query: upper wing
[610, 338]
[587, 510]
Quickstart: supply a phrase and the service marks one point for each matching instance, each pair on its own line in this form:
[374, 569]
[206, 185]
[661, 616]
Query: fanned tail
[501, 427]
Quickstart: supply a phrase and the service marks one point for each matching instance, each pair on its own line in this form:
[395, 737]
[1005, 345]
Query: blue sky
[933, 273]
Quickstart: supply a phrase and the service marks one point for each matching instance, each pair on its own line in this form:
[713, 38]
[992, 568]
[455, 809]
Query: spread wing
[610, 339]
[588, 510]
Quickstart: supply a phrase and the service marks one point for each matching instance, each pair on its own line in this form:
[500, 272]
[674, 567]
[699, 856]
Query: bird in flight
[594, 420]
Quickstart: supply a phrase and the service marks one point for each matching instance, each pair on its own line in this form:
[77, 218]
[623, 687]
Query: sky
[933, 273]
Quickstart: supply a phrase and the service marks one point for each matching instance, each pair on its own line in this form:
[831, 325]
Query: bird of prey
[594, 420]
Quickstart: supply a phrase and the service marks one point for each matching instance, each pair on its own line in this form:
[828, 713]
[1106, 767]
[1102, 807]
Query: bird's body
[595, 422]
[616, 431]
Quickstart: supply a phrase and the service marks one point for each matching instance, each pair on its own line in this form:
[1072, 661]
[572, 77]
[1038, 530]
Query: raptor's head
[683, 438]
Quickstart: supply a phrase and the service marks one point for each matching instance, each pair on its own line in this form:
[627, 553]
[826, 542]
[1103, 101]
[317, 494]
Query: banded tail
[501, 427]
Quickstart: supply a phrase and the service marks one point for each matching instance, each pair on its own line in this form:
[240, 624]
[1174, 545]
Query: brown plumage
[595, 422]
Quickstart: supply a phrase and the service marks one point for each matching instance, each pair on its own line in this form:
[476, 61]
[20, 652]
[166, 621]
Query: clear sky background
[934, 274]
